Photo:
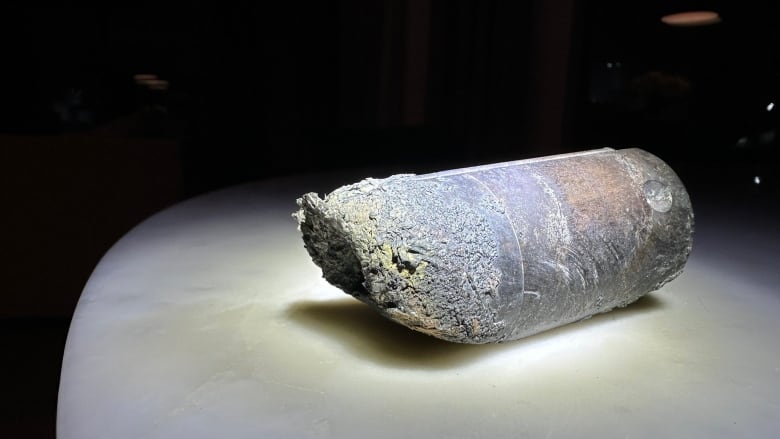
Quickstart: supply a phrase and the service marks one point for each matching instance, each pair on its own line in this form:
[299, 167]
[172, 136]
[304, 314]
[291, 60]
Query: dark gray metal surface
[499, 252]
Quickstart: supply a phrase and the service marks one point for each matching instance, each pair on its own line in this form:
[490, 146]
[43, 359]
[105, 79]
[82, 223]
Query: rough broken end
[395, 253]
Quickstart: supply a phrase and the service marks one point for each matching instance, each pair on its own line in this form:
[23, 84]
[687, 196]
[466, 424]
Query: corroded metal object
[499, 252]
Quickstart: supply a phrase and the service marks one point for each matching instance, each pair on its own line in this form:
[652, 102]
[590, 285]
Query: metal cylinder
[502, 251]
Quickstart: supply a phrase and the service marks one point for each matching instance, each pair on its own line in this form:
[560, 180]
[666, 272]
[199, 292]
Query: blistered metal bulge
[499, 252]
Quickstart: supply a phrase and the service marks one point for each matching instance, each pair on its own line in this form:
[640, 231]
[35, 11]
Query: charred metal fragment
[502, 251]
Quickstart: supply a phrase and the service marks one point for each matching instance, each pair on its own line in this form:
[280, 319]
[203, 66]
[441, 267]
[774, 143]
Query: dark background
[258, 90]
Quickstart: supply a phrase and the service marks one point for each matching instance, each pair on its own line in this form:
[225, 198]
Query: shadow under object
[379, 341]
[503, 251]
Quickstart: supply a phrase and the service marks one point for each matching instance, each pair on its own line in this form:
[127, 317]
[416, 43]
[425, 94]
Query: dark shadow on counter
[369, 336]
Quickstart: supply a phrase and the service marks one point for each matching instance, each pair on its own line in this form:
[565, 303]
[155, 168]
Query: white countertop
[210, 320]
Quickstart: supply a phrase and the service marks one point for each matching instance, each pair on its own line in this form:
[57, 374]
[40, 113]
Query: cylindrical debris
[499, 252]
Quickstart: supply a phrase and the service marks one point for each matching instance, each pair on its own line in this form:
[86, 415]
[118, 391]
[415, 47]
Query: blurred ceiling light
[142, 78]
[157, 84]
[693, 18]
[757, 179]
[770, 106]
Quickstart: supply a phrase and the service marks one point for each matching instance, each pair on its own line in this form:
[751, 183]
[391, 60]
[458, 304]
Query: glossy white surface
[210, 320]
